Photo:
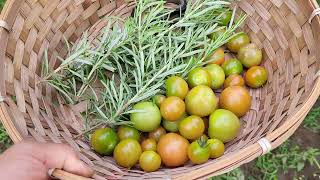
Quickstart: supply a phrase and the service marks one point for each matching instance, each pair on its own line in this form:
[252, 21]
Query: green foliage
[236, 174]
[312, 121]
[5, 141]
[286, 157]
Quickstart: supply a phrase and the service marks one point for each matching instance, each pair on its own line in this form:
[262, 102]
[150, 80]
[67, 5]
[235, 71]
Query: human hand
[31, 161]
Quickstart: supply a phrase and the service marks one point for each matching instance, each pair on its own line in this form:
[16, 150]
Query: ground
[298, 158]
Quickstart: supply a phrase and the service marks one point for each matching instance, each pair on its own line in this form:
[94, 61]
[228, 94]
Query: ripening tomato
[233, 80]
[157, 133]
[125, 132]
[149, 117]
[103, 141]
[256, 76]
[217, 75]
[201, 101]
[238, 41]
[191, 127]
[216, 148]
[149, 145]
[236, 99]
[225, 18]
[172, 108]
[149, 161]
[223, 125]
[173, 149]
[232, 66]
[158, 99]
[176, 86]
[198, 152]
[217, 57]
[250, 55]
[127, 153]
[173, 126]
[199, 76]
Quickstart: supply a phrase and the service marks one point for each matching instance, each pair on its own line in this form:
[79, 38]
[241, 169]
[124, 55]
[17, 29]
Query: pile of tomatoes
[190, 122]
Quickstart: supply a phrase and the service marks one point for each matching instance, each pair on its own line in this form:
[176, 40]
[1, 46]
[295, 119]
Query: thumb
[62, 157]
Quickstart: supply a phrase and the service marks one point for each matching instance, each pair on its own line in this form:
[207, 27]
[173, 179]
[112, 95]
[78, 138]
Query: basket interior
[279, 27]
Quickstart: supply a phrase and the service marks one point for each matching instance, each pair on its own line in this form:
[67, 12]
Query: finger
[62, 157]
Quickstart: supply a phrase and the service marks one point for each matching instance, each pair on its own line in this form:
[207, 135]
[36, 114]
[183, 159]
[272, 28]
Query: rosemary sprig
[139, 56]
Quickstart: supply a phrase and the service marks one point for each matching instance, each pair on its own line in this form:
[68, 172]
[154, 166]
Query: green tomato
[201, 101]
[232, 66]
[223, 125]
[149, 161]
[158, 99]
[198, 154]
[225, 18]
[127, 153]
[217, 75]
[176, 86]
[238, 41]
[149, 117]
[126, 132]
[199, 76]
[218, 33]
[216, 148]
[103, 141]
[250, 55]
[173, 126]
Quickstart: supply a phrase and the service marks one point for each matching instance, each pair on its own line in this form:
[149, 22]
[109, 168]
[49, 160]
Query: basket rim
[248, 153]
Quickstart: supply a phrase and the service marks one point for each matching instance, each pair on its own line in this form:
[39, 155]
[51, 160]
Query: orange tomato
[172, 108]
[233, 80]
[217, 57]
[173, 149]
[236, 99]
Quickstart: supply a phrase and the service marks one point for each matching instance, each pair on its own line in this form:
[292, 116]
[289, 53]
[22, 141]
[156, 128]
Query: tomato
[173, 126]
[233, 80]
[199, 76]
[225, 18]
[201, 101]
[256, 76]
[191, 127]
[216, 148]
[149, 117]
[217, 33]
[173, 149]
[217, 57]
[250, 55]
[156, 134]
[217, 75]
[223, 125]
[236, 99]
[103, 141]
[172, 108]
[127, 153]
[238, 41]
[198, 152]
[232, 66]
[176, 86]
[125, 132]
[149, 145]
[158, 99]
[149, 161]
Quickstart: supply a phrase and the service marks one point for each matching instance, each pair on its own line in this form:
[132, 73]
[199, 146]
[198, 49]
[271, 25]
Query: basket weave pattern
[32, 110]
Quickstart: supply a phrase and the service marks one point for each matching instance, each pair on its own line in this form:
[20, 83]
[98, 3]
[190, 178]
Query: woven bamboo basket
[282, 28]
